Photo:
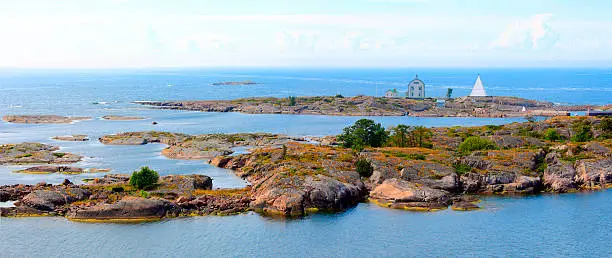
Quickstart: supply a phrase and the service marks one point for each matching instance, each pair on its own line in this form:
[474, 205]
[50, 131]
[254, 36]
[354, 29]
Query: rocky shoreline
[375, 106]
[291, 178]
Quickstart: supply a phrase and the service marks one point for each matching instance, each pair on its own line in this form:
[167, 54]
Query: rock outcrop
[34, 153]
[301, 179]
[559, 175]
[41, 119]
[48, 200]
[51, 169]
[122, 118]
[127, 209]
[400, 194]
[72, 138]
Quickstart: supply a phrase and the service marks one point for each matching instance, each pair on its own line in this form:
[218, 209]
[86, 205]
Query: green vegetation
[24, 155]
[364, 133]
[474, 143]
[605, 125]
[581, 131]
[339, 96]
[410, 136]
[145, 178]
[552, 135]
[284, 153]
[59, 154]
[117, 189]
[292, 101]
[364, 168]
[143, 194]
[412, 156]
[462, 169]
[449, 93]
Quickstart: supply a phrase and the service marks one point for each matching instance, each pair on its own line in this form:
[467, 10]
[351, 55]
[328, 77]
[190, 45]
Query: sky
[312, 33]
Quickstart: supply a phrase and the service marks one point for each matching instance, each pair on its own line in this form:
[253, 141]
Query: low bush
[552, 135]
[144, 178]
[364, 168]
[475, 143]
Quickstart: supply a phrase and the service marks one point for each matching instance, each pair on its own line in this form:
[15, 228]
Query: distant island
[498, 106]
[234, 83]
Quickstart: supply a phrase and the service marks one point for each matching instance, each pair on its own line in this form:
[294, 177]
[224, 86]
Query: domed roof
[416, 79]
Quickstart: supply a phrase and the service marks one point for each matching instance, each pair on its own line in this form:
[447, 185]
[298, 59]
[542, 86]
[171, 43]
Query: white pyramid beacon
[478, 90]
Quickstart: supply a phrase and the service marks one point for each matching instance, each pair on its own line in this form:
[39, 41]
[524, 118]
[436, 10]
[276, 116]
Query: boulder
[594, 173]
[464, 206]
[397, 193]
[128, 208]
[558, 175]
[48, 200]
[4, 196]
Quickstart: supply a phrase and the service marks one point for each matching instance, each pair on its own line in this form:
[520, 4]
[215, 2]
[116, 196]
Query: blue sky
[337, 33]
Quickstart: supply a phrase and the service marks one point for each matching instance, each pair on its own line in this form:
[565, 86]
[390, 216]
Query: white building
[416, 89]
[391, 93]
[478, 89]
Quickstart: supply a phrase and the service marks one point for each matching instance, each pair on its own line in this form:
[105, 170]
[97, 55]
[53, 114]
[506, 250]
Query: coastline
[304, 180]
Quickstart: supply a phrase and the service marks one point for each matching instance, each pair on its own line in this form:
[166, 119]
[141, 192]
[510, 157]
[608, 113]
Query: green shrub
[364, 168]
[582, 132]
[143, 194]
[605, 125]
[339, 96]
[462, 169]
[362, 134]
[552, 135]
[144, 178]
[474, 143]
[59, 154]
[117, 189]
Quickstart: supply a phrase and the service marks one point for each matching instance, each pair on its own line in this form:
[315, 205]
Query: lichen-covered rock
[183, 184]
[397, 193]
[558, 175]
[306, 178]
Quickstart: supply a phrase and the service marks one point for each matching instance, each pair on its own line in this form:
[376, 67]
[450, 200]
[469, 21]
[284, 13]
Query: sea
[566, 225]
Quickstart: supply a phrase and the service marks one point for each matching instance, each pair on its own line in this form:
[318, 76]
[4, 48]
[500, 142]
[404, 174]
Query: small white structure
[478, 89]
[391, 93]
[416, 89]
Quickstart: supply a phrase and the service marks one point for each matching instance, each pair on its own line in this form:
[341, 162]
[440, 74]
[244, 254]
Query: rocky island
[416, 169]
[72, 138]
[35, 153]
[122, 118]
[234, 83]
[375, 106]
[42, 119]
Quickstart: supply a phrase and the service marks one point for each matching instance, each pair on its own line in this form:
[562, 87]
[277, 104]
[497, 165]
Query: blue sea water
[565, 225]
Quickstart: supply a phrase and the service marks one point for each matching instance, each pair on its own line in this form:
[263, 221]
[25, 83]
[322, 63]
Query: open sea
[566, 225]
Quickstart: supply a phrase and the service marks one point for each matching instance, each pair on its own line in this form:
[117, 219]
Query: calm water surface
[570, 225]
[564, 225]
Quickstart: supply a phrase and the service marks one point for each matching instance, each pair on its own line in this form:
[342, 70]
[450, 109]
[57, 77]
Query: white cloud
[534, 33]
